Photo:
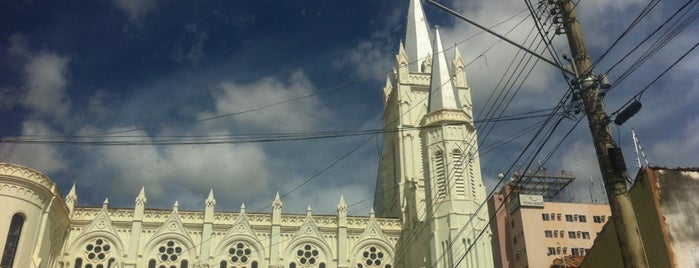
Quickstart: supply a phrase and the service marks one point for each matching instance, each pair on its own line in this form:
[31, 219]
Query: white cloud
[46, 84]
[235, 173]
[45, 158]
[303, 114]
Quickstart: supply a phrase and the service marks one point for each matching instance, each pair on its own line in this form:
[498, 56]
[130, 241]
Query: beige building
[535, 226]
[667, 208]
[428, 198]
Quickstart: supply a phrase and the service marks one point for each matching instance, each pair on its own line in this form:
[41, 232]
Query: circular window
[308, 255]
[240, 253]
[373, 256]
[169, 252]
[97, 250]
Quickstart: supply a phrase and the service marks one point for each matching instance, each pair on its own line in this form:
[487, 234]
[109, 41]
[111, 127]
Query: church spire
[417, 36]
[442, 95]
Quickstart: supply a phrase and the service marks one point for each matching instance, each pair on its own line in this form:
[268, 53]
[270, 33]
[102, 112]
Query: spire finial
[417, 36]
[176, 206]
[309, 211]
[442, 95]
[372, 213]
[242, 208]
[277, 203]
[210, 201]
[105, 204]
[72, 191]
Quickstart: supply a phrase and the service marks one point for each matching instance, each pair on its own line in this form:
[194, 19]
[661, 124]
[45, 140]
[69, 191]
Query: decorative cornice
[445, 116]
[12, 170]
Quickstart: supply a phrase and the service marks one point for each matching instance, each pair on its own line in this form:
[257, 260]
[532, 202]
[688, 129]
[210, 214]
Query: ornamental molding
[25, 193]
[445, 116]
[12, 170]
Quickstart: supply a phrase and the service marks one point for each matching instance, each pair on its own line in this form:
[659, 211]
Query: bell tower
[429, 175]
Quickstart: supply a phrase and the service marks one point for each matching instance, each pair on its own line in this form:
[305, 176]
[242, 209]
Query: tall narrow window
[78, 263]
[440, 175]
[458, 160]
[12, 242]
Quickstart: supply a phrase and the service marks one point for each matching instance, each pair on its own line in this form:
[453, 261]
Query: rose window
[98, 250]
[307, 256]
[169, 252]
[373, 257]
[240, 253]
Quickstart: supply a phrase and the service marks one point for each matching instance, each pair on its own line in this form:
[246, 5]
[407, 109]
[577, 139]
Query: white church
[427, 202]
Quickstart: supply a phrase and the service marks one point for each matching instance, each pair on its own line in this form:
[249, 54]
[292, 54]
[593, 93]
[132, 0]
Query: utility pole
[609, 156]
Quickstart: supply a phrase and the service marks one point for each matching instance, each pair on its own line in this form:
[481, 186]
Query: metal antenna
[638, 149]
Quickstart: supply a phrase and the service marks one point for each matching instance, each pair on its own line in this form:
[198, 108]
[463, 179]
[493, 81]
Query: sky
[150, 71]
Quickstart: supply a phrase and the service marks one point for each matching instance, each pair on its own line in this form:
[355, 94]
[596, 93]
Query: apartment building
[536, 225]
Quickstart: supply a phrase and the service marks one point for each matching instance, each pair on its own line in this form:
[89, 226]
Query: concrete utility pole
[609, 155]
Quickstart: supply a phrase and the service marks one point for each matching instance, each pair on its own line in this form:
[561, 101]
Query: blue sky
[153, 67]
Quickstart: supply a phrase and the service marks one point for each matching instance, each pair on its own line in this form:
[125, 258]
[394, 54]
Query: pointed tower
[275, 245]
[417, 37]
[454, 188]
[71, 199]
[137, 226]
[429, 173]
[207, 228]
[400, 183]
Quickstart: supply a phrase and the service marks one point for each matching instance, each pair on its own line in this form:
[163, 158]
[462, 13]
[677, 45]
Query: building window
[548, 233]
[545, 217]
[555, 233]
[585, 235]
[583, 218]
[373, 257]
[97, 253]
[558, 217]
[571, 234]
[597, 219]
[12, 242]
[458, 173]
[574, 252]
[308, 256]
[603, 218]
[240, 254]
[569, 218]
[552, 251]
[169, 254]
[558, 250]
[512, 224]
[578, 234]
[565, 250]
[440, 175]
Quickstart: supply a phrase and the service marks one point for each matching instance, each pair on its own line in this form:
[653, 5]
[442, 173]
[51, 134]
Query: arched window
[373, 257]
[78, 263]
[168, 255]
[12, 242]
[458, 161]
[240, 254]
[307, 256]
[440, 176]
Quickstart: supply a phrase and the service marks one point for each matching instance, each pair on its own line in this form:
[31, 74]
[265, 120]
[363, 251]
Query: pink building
[534, 227]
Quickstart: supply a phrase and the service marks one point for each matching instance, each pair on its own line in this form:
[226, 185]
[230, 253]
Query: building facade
[533, 230]
[666, 205]
[429, 198]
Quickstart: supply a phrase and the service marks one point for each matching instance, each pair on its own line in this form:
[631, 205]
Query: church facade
[429, 198]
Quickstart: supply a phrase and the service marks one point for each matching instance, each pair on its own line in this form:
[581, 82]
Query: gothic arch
[300, 247]
[367, 252]
[83, 239]
[97, 249]
[231, 243]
